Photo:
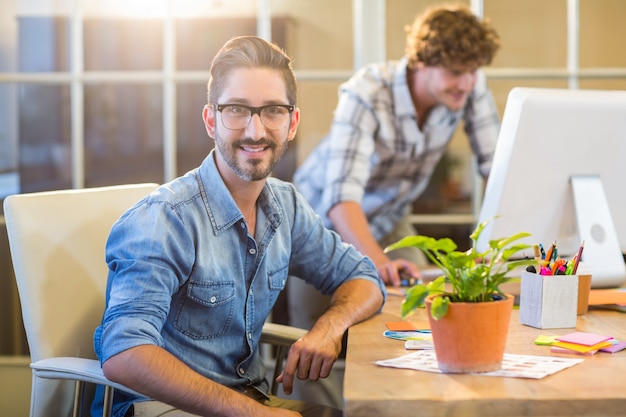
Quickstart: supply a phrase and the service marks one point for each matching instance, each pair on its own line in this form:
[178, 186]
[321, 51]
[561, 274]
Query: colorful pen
[550, 251]
[557, 265]
[578, 255]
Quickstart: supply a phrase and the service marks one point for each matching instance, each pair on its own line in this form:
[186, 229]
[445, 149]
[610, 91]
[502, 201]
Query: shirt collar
[221, 208]
[402, 100]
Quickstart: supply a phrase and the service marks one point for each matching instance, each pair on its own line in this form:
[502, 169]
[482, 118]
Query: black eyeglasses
[238, 116]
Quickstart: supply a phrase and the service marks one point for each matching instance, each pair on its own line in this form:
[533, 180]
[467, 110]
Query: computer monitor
[559, 173]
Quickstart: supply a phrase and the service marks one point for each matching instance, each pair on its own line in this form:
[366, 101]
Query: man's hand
[311, 357]
[390, 271]
[351, 223]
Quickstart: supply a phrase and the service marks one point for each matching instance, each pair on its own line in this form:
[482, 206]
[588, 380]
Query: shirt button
[213, 299]
[250, 336]
[252, 251]
[241, 371]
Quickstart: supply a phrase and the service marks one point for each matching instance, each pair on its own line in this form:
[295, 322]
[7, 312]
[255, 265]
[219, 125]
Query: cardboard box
[548, 301]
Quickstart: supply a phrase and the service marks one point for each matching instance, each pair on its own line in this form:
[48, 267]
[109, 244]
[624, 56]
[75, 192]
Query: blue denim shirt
[185, 274]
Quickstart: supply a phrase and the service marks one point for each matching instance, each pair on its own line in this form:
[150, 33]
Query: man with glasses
[196, 267]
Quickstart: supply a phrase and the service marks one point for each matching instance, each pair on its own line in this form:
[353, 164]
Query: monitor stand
[602, 250]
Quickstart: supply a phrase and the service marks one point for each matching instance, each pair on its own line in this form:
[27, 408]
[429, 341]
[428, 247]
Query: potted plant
[468, 313]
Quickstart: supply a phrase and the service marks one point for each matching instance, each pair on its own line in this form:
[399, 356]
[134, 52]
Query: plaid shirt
[376, 155]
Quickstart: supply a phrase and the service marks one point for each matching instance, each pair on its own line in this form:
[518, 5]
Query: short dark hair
[250, 52]
[451, 35]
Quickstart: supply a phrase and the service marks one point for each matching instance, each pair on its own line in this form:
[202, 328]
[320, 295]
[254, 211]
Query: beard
[252, 169]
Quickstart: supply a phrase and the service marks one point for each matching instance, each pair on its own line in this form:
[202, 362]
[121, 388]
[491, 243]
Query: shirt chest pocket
[207, 309]
[278, 279]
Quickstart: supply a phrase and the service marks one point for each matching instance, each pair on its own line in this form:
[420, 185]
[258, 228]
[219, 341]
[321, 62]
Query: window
[126, 107]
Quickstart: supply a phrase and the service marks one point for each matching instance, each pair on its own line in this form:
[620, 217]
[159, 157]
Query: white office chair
[57, 242]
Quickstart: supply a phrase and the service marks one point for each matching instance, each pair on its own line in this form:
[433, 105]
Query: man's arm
[158, 374]
[313, 356]
[350, 222]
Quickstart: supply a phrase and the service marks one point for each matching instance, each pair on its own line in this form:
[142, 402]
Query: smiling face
[448, 86]
[251, 153]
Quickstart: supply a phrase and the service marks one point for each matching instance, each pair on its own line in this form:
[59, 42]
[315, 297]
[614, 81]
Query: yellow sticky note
[582, 348]
[545, 340]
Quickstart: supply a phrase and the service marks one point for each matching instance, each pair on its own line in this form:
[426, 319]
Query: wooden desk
[595, 387]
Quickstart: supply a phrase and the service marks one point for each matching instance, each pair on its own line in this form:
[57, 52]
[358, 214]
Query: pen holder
[548, 301]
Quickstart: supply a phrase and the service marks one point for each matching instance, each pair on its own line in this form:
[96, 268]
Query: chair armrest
[76, 369]
[281, 335]
[89, 370]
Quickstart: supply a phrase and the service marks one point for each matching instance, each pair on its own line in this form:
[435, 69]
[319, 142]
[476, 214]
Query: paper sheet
[516, 366]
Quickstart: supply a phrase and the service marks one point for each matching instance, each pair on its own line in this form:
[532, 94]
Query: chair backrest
[57, 241]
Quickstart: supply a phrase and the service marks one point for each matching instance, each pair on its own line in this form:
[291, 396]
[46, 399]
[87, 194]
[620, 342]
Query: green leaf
[439, 307]
[443, 245]
[414, 298]
[436, 286]
[512, 250]
[479, 229]
[474, 288]
[425, 243]
[507, 240]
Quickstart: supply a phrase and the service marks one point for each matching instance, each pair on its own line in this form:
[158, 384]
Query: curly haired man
[392, 125]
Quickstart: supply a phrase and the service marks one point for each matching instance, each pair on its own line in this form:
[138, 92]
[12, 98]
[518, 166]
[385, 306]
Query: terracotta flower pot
[471, 337]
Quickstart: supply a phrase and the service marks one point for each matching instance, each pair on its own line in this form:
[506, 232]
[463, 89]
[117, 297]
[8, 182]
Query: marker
[543, 252]
[550, 251]
[537, 253]
[558, 264]
[578, 255]
[570, 266]
[545, 271]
